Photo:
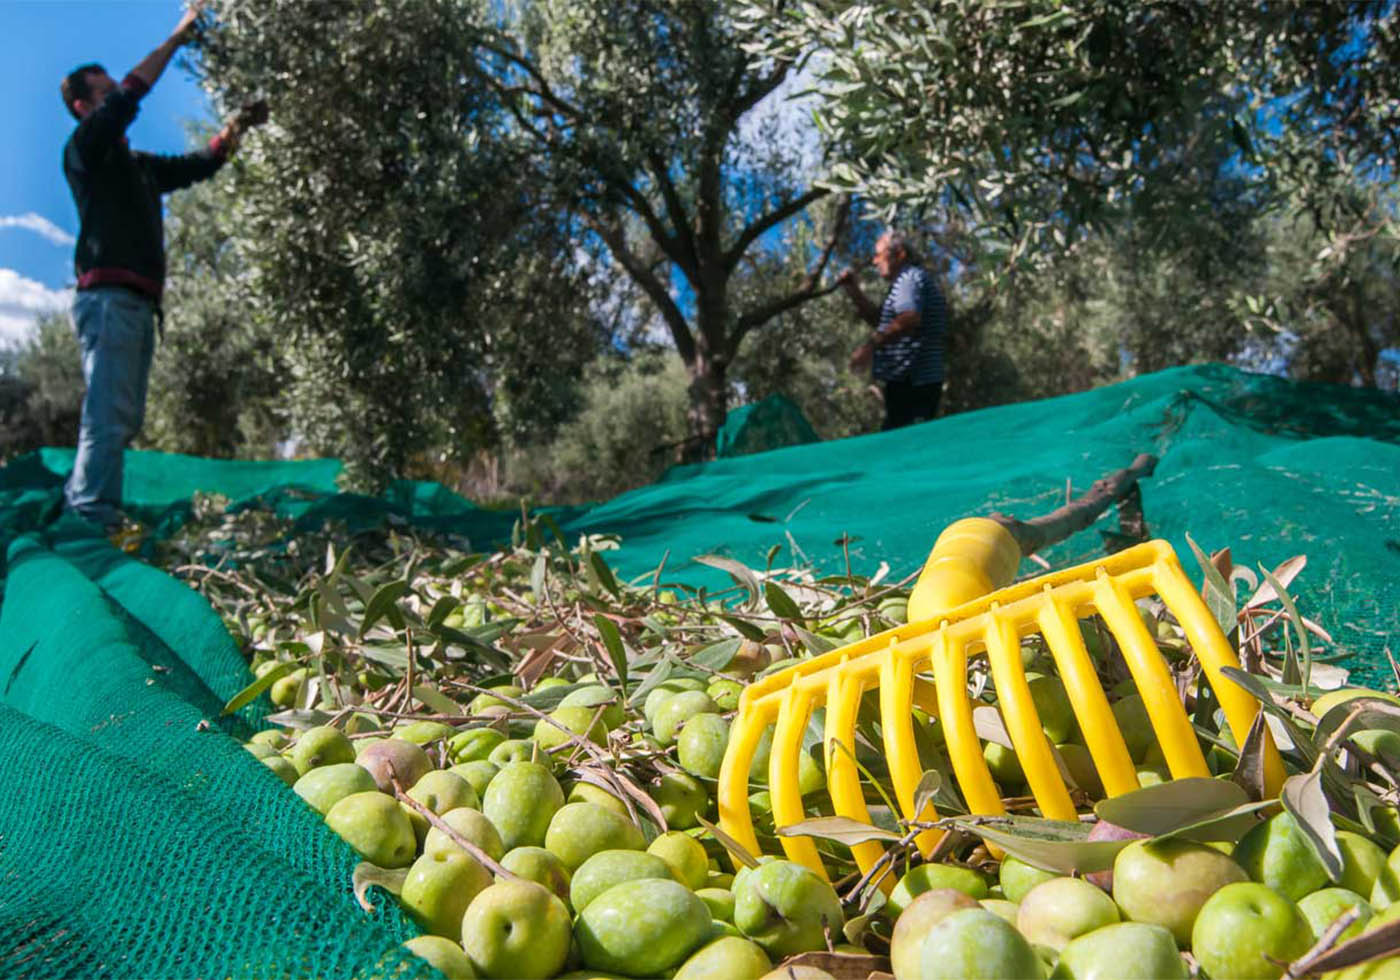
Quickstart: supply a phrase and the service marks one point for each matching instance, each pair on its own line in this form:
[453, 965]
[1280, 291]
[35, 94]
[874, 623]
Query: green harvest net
[138, 840]
[773, 423]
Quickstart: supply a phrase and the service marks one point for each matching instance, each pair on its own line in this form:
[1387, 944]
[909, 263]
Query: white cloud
[38, 224]
[21, 302]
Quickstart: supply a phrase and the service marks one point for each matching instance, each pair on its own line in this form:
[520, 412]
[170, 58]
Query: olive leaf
[1371, 713]
[1249, 770]
[929, 785]
[736, 850]
[839, 966]
[1302, 797]
[814, 642]
[1255, 686]
[604, 573]
[738, 571]
[855, 928]
[389, 656]
[744, 628]
[717, 655]
[537, 574]
[1169, 806]
[436, 700]
[1051, 845]
[1285, 573]
[1219, 597]
[780, 602]
[654, 678]
[251, 692]
[843, 830]
[300, 718]
[612, 641]
[989, 726]
[367, 876]
[549, 698]
[1374, 944]
[1226, 825]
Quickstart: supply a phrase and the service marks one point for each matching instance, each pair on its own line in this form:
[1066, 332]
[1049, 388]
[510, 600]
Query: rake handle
[1059, 524]
[978, 555]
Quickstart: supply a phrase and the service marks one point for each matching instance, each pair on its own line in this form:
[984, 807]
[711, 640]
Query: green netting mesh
[773, 423]
[138, 840]
[1269, 467]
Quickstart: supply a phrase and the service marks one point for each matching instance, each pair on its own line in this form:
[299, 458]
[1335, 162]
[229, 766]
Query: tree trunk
[709, 402]
[709, 371]
[1370, 352]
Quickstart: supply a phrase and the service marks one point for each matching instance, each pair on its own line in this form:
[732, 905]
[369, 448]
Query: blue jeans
[116, 332]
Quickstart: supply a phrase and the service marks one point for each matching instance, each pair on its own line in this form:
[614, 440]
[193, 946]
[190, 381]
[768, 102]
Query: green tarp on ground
[138, 840]
[772, 423]
[1269, 467]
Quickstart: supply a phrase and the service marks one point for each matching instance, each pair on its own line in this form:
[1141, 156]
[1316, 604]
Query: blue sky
[46, 39]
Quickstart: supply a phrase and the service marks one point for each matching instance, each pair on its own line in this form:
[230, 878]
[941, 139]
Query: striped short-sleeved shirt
[916, 356]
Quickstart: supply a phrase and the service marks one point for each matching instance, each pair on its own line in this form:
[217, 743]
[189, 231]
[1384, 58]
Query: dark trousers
[907, 403]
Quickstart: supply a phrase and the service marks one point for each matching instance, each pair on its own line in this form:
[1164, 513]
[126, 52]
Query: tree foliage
[1043, 119]
[630, 424]
[393, 237]
[1127, 170]
[1328, 299]
[470, 222]
[803, 353]
[636, 113]
[218, 378]
[41, 388]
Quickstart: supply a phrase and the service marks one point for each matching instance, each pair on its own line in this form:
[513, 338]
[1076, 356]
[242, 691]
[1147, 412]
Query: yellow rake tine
[964, 749]
[842, 775]
[1173, 729]
[782, 776]
[899, 688]
[1213, 651]
[1086, 695]
[744, 735]
[1023, 723]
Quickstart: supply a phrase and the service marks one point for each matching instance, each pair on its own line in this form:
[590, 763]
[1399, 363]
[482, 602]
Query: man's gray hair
[901, 241]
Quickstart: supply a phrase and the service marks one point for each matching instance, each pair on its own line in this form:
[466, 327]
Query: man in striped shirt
[906, 349]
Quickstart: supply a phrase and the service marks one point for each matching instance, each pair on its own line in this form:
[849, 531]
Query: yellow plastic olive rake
[961, 606]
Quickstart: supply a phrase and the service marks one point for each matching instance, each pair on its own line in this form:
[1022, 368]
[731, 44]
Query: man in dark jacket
[120, 260]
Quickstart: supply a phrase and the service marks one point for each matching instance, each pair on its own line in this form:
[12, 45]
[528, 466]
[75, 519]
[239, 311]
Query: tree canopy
[428, 293]
[1041, 121]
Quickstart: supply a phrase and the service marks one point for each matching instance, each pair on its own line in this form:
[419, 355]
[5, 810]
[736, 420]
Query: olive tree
[639, 113]
[1329, 304]
[425, 296]
[41, 388]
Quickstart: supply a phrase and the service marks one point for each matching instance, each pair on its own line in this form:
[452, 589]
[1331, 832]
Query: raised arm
[173, 173]
[865, 309]
[153, 65]
[106, 124]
